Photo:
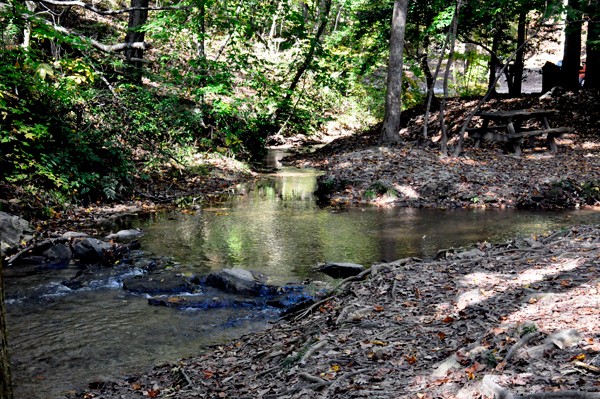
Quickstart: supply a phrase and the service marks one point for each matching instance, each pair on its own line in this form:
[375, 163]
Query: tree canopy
[94, 95]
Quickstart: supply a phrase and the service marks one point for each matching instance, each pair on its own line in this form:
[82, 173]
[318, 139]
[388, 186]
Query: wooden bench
[512, 133]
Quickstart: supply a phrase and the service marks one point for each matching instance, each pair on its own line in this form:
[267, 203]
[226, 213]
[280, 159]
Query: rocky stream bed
[518, 318]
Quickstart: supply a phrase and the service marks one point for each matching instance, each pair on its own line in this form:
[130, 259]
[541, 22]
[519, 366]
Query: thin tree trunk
[308, 59]
[304, 8]
[458, 148]
[337, 17]
[5, 377]
[494, 62]
[273, 29]
[435, 75]
[27, 31]
[226, 42]
[201, 55]
[425, 63]
[517, 75]
[137, 19]
[572, 52]
[592, 77]
[201, 49]
[443, 127]
[393, 98]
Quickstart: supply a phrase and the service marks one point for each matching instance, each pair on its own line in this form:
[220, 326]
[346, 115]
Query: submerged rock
[124, 235]
[90, 250]
[75, 234]
[158, 284]
[182, 302]
[342, 270]
[57, 256]
[13, 230]
[238, 281]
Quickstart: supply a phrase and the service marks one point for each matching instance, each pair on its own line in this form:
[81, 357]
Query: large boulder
[158, 284]
[57, 256]
[238, 281]
[91, 250]
[13, 230]
[342, 270]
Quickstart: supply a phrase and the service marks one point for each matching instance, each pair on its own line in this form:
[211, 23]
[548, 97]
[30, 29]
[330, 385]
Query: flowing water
[61, 340]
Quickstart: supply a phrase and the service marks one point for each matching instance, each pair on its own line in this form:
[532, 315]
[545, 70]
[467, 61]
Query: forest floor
[416, 174]
[513, 318]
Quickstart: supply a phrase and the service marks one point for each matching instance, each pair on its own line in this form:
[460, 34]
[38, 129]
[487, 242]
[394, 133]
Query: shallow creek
[61, 340]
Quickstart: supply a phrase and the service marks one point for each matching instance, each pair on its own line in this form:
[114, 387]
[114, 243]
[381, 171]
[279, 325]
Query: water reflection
[275, 226]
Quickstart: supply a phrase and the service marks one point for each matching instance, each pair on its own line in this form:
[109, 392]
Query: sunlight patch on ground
[406, 191]
[587, 145]
[478, 287]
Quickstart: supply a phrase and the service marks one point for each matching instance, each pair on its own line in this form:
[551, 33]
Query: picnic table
[510, 129]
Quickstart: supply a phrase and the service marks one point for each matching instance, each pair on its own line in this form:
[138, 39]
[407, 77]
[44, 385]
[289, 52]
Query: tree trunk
[430, 94]
[517, 75]
[572, 53]
[443, 128]
[311, 52]
[5, 378]
[494, 59]
[592, 77]
[337, 17]
[27, 30]
[393, 98]
[425, 63]
[137, 19]
[305, 10]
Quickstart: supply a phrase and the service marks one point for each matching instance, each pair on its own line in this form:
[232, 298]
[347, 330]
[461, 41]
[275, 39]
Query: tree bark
[393, 98]
[27, 31]
[337, 17]
[517, 76]
[425, 63]
[311, 52]
[443, 128]
[431, 94]
[592, 77]
[5, 377]
[137, 19]
[494, 62]
[572, 53]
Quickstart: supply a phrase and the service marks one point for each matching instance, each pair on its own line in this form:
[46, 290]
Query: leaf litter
[515, 318]
[415, 174]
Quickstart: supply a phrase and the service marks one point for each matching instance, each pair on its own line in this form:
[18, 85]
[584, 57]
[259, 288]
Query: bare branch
[93, 9]
[94, 43]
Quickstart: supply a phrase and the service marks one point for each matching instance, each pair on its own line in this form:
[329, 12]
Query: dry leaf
[448, 319]
[498, 331]
[136, 386]
[153, 393]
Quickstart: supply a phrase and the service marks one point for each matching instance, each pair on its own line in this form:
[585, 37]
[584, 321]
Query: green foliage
[79, 123]
[44, 142]
[588, 191]
[379, 189]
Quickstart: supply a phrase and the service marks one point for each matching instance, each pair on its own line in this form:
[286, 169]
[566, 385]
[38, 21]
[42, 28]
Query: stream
[61, 340]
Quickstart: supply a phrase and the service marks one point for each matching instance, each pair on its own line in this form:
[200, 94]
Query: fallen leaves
[152, 393]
